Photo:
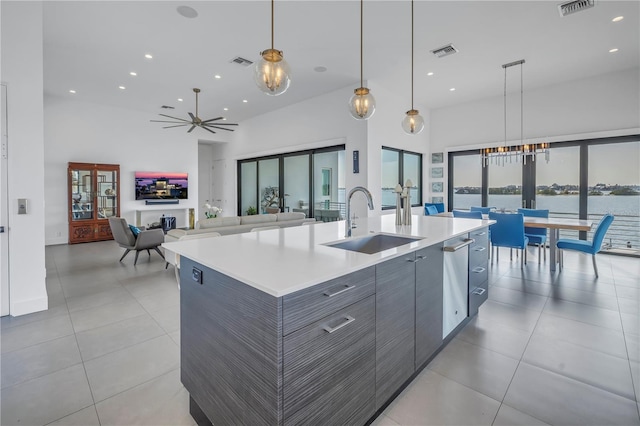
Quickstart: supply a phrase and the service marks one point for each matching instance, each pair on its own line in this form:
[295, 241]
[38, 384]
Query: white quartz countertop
[282, 261]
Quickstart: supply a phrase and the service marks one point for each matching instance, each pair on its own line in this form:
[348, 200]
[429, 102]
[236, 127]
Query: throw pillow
[135, 230]
[431, 210]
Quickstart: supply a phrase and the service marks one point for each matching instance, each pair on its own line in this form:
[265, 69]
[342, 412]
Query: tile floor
[545, 349]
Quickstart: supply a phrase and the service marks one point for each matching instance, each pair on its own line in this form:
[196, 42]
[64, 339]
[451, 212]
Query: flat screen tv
[161, 186]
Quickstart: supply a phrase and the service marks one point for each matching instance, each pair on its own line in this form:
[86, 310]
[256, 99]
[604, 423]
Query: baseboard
[55, 241]
[24, 307]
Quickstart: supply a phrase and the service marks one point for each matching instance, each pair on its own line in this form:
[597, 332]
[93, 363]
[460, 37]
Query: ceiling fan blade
[207, 129]
[193, 118]
[213, 119]
[175, 118]
[177, 125]
[163, 121]
[216, 127]
[219, 124]
[192, 127]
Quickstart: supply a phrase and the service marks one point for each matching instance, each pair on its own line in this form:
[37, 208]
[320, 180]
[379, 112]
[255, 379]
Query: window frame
[401, 178]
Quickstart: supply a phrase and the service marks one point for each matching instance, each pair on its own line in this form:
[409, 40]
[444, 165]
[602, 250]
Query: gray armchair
[146, 240]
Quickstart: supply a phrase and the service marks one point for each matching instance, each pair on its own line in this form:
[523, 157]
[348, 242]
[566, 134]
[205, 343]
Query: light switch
[22, 206]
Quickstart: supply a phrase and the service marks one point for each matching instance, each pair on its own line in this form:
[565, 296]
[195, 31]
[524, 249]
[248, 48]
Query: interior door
[4, 213]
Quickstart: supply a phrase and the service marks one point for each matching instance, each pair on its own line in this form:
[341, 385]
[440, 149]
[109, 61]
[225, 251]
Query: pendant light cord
[505, 106]
[272, 2]
[361, 42]
[412, 54]
[521, 108]
[196, 104]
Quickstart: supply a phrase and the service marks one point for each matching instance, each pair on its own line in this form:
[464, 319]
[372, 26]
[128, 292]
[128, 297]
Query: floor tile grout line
[154, 319]
[164, 373]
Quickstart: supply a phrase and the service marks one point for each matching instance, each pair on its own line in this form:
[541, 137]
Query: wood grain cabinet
[93, 195]
[429, 277]
[478, 270]
[395, 325]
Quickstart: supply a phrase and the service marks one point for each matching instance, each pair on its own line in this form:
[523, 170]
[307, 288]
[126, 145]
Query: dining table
[554, 225]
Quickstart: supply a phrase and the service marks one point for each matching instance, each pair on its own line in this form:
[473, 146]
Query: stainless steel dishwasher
[455, 283]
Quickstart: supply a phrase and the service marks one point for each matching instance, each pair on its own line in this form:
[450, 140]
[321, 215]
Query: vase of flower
[211, 211]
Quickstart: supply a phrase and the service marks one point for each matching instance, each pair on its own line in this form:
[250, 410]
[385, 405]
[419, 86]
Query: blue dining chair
[537, 236]
[508, 231]
[591, 248]
[439, 208]
[467, 214]
[483, 210]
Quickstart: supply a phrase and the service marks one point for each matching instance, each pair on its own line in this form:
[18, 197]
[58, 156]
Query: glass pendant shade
[362, 104]
[413, 123]
[272, 73]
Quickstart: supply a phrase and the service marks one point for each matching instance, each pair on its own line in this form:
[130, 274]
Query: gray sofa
[238, 224]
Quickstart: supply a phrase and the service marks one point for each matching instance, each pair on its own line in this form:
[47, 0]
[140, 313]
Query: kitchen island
[279, 327]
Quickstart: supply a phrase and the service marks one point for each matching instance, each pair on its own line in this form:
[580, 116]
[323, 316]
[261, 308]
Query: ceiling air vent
[241, 61]
[575, 6]
[443, 51]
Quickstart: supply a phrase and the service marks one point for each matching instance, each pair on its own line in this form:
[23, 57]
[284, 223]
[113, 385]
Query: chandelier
[524, 152]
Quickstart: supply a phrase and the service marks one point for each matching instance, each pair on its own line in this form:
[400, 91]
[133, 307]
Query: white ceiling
[91, 47]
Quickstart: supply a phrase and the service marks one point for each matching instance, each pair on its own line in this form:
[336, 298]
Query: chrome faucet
[366, 192]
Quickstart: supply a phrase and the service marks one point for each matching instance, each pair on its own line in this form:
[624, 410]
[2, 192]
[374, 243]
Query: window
[398, 166]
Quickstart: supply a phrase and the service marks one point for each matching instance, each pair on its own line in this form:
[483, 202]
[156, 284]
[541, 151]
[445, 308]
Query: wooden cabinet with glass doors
[93, 197]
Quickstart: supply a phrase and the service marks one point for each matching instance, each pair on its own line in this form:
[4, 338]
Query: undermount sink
[373, 243]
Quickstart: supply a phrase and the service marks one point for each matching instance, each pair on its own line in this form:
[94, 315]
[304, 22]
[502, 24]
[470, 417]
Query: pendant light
[272, 73]
[362, 104]
[413, 123]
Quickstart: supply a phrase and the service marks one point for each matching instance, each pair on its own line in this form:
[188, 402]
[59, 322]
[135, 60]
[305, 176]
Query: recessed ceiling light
[187, 12]
[320, 69]
[245, 101]
[453, 89]
[429, 74]
[217, 76]
[72, 91]
[133, 73]
[121, 87]
[614, 50]
[179, 99]
[617, 19]
[225, 109]
[148, 56]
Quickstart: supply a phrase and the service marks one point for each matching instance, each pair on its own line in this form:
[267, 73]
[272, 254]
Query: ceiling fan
[196, 121]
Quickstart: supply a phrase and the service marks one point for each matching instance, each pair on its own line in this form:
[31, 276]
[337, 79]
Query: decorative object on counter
[437, 157]
[272, 73]
[507, 154]
[211, 211]
[407, 202]
[362, 104]
[413, 123]
[398, 192]
[192, 218]
[196, 121]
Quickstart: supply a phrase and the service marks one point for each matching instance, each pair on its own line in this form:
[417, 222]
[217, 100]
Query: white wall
[22, 71]
[606, 105]
[91, 133]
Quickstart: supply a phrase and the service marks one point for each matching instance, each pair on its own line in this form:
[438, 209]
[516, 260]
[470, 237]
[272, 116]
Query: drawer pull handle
[479, 248]
[480, 233]
[479, 291]
[346, 288]
[464, 243]
[349, 320]
[478, 269]
[417, 259]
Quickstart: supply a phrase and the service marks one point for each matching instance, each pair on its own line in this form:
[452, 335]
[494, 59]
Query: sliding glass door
[311, 182]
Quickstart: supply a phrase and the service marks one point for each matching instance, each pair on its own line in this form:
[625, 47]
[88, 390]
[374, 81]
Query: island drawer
[479, 249]
[309, 305]
[328, 368]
